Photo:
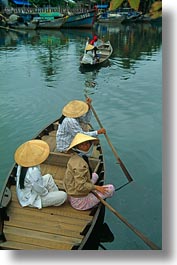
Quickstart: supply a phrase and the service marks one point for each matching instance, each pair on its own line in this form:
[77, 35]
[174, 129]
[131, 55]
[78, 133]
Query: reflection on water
[40, 72]
[130, 43]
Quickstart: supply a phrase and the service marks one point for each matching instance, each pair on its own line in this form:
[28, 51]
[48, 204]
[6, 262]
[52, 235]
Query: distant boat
[17, 22]
[104, 51]
[111, 17]
[25, 25]
[51, 24]
[81, 20]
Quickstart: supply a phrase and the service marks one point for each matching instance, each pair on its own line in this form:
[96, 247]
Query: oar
[15, 30]
[112, 147]
[138, 233]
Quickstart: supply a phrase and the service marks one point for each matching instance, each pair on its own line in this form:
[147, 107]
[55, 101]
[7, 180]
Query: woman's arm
[37, 181]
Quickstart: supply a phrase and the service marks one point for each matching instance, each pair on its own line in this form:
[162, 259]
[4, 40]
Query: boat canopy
[21, 2]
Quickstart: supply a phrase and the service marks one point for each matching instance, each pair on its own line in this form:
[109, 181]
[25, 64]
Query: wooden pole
[138, 233]
[15, 30]
[112, 147]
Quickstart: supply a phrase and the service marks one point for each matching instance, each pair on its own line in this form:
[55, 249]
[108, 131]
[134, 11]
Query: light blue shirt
[69, 128]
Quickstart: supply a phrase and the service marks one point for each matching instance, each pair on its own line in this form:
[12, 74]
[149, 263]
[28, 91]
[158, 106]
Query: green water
[40, 73]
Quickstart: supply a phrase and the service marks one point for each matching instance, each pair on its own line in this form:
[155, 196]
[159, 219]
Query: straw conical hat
[32, 153]
[89, 47]
[80, 138]
[75, 109]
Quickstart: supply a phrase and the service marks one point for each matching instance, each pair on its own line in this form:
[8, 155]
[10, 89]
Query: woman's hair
[60, 120]
[22, 177]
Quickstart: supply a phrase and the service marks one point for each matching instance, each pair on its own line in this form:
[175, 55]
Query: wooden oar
[138, 233]
[15, 30]
[112, 147]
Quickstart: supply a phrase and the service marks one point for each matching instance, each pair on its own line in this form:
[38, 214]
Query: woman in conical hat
[75, 117]
[79, 180]
[89, 47]
[32, 188]
[90, 55]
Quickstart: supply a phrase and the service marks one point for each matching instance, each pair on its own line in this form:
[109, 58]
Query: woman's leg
[49, 183]
[89, 201]
[54, 198]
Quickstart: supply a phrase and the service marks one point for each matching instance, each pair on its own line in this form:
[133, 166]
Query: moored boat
[104, 51]
[81, 20]
[111, 17]
[23, 25]
[57, 228]
[51, 24]
[17, 22]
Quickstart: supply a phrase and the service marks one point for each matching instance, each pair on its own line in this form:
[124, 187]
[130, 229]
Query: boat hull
[51, 24]
[25, 26]
[82, 20]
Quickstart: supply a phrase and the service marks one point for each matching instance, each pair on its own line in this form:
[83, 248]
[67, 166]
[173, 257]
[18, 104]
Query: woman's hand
[88, 101]
[101, 131]
[101, 189]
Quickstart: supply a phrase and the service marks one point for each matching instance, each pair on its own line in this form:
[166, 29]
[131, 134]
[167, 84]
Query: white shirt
[88, 58]
[34, 187]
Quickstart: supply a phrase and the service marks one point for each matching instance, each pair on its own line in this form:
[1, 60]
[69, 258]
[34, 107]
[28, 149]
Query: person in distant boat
[79, 181]
[32, 188]
[90, 55]
[75, 118]
[94, 40]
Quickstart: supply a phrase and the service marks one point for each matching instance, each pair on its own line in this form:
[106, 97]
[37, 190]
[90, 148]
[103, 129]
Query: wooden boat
[52, 228]
[104, 52]
[81, 20]
[51, 24]
[3, 21]
[17, 22]
[25, 25]
[111, 17]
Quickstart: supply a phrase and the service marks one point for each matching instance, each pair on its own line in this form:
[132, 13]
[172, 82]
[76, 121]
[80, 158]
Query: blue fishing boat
[81, 20]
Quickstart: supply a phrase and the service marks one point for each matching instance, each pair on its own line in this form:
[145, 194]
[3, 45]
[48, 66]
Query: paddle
[112, 147]
[15, 30]
[138, 233]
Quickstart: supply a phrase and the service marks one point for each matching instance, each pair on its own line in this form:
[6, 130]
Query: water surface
[40, 73]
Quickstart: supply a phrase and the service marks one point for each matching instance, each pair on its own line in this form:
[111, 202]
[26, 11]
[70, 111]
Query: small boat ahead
[104, 51]
[81, 20]
[52, 228]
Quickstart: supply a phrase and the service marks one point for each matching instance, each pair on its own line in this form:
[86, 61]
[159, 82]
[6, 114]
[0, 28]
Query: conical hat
[80, 138]
[75, 109]
[31, 153]
[89, 47]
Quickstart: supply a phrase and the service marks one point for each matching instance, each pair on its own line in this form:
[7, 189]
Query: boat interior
[57, 228]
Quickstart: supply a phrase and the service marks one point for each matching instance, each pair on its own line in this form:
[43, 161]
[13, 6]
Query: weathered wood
[58, 159]
[52, 227]
[13, 245]
[41, 239]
